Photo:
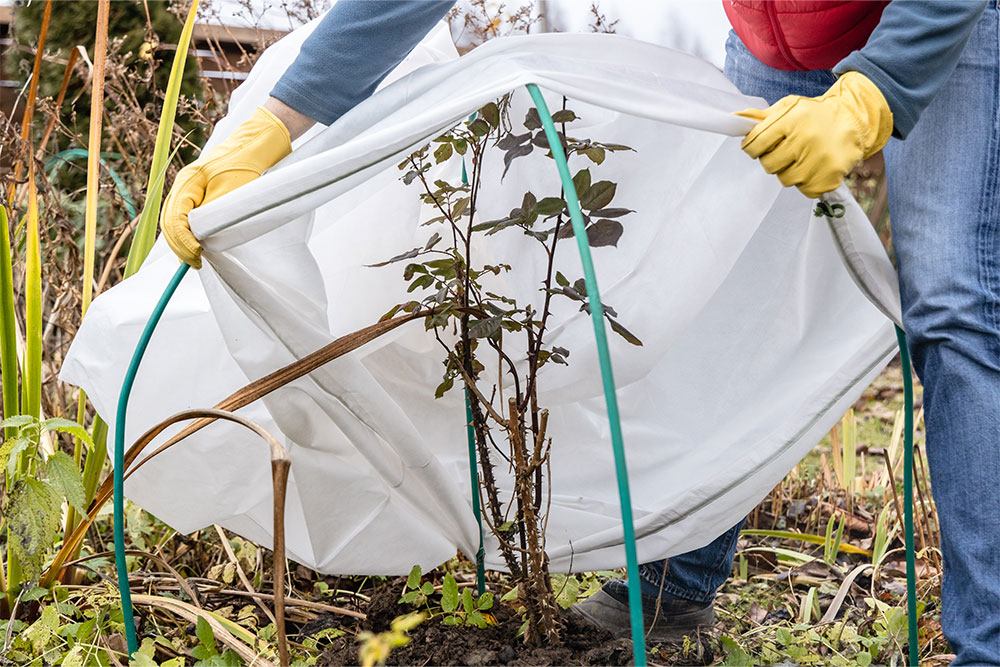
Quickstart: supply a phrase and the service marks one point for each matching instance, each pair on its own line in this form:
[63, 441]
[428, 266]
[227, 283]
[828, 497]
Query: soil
[434, 643]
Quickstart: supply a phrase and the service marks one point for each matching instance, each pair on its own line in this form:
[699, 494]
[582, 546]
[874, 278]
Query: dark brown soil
[434, 643]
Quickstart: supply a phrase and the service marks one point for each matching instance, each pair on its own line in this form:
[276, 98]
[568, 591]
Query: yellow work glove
[255, 146]
[813, 142]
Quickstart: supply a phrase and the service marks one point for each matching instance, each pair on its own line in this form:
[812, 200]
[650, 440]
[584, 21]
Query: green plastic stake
[474, 475]
[911, 560]
[128, 613]
[601, 336]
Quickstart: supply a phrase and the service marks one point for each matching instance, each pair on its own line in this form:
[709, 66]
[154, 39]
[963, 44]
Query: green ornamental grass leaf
[449, 594]
[33, 513]
[64, 475]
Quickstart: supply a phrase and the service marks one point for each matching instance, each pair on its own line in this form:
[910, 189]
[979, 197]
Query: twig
[239, 571]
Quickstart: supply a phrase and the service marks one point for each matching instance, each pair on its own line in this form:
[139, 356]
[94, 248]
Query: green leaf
[449, 594]
[36, 593]
[509, 595]
[468, 604]
[531, 119]
[604, 233]
[581, 182]
[513, 154]
[421, 282]
[598, 196]
[595, 153]
[10, 450]
[409, 597]
[479, 127]
[33, 514]
[735, 655]
[491, 114]
[203, 630]
[409, 254]
[443, 388]
[564, 116]
[561, 279]
[65, 476]
[485, 602]
[443, 152]
[460, 206]
[70, 427]
[413, 580]
[550, 206]
[611, 212]
[17, 421]
[617, 327]
[485, 328]
[476, 619]
[427, 589]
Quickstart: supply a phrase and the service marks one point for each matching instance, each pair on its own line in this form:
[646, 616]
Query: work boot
[608, 608]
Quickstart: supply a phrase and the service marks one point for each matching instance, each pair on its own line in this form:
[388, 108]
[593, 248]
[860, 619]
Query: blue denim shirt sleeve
[352, 49]
[912, 52]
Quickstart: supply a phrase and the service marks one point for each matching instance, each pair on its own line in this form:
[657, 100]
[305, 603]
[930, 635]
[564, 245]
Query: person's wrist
[295, 122]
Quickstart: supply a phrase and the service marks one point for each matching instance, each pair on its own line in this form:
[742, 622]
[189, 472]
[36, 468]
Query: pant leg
[697, 575]
[944, 198]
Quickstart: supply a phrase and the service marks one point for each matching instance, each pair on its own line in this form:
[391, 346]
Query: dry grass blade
[223, 630]
[845, 587]
[94, 150]
[29, 107]
[240, 573]
[60, 97]
[181, 581]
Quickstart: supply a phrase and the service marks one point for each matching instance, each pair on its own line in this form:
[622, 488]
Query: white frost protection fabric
[756, 334]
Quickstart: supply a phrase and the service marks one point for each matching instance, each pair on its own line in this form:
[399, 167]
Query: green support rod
[911, 561]
[474, 475]
[128, 614]
[601, 336]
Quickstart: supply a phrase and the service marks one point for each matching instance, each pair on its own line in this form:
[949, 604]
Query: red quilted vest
[803, 34]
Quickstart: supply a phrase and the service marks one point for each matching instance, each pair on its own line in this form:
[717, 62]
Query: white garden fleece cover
[757, 318]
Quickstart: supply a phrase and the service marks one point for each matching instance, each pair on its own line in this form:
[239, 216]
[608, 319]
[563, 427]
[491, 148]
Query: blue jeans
[944, 197]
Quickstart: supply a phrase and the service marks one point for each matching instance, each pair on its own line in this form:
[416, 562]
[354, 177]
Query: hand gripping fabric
[255, 146]
[813, 142]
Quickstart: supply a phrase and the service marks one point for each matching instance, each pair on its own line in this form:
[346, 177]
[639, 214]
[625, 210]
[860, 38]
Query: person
[843, 80]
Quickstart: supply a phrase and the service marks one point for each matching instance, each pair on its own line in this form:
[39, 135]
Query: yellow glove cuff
[872, 110]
